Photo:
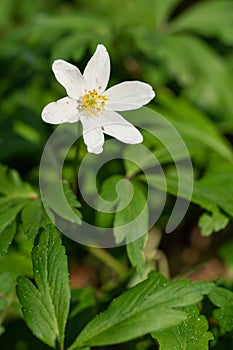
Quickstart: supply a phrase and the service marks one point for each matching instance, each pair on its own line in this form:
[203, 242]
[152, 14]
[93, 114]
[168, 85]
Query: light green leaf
[212, 223]
[211, 18]
[45, 307]
[31, 218]
[223, 299]
[182, 114]
[136, 255]
[131, 222]
[148, 307]
[190, 334]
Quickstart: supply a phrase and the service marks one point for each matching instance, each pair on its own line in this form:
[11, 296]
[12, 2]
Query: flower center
[93, 103]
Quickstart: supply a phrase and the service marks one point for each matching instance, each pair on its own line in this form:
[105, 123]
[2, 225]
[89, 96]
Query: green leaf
[211, 18]
[59, 207]
[14, 196]
[6, 286]
[190, 334]
[6, 237]
[131, 222]
[31, 218]
[12, 186]
[182, 114]
[6, 289]
[212, 223]
[45, 306]
[148, 307]
[223, 299]
[136, 255]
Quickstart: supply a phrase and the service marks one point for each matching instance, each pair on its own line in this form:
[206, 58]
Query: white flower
[90, 102]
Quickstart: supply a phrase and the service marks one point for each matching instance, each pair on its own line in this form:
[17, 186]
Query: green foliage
[190, 334]
[223, 299]
[45, 307]
[152, 303]
[14, 196]
[6, 287]
[183, 49]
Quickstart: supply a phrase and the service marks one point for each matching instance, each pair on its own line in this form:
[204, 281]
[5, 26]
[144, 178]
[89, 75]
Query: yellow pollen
[93, 103]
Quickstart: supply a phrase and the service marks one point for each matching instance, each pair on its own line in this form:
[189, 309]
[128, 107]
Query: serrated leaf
[45, 306]
[223, 299]
[190, 334]
[148, 307]
[31, 218]
[212, 223]
[6, 237]
[12, 186]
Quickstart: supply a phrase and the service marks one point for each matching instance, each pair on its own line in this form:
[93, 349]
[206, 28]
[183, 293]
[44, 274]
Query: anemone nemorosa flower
[90, 102]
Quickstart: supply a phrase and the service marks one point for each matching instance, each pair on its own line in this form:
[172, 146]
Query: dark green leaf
[45, 307]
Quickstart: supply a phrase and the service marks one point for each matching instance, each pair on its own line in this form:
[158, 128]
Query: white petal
[62, 111]
[97, 71]
[128, 95]
[70, 77]
[92, 135]
[115, 125]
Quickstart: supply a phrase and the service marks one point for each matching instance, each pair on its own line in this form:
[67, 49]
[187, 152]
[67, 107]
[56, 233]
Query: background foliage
[184, 50]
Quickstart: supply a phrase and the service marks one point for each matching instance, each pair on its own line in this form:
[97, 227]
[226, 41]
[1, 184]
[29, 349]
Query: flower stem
[108, 259]
[76, 163]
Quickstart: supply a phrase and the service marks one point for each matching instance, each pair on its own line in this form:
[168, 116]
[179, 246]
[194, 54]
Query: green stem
[108, 259]
[76, 164]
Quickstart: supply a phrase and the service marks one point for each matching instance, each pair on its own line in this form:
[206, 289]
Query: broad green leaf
[148, 307]
[190, 334]
[211, 18]
[212, 223]
[31, 218]
[45, 306]
[223, 299]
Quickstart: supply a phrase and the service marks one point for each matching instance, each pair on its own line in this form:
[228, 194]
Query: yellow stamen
[93, 103]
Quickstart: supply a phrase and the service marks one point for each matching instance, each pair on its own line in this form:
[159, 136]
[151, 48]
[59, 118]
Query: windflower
[90, 102]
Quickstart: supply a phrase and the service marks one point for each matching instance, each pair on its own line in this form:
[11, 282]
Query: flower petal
[97, 71]
[62, 111]
[128, 95]
[70, 77]
[115, 125]
[92, 135]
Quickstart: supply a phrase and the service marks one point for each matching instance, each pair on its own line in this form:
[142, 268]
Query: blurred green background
[183, 48]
